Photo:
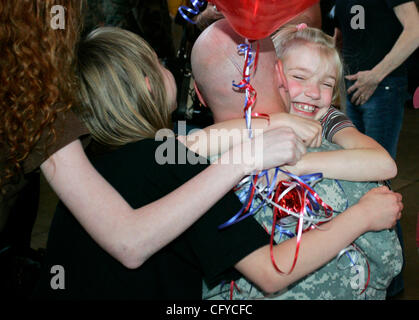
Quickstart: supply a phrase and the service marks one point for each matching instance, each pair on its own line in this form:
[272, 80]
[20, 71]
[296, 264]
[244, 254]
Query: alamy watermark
[58, 278]
[218, 140]
[358, 20]
[358, 280]
[57, 17]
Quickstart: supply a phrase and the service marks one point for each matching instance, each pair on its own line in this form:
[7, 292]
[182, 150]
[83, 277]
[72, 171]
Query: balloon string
[251, 59]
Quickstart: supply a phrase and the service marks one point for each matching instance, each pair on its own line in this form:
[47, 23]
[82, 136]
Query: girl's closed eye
[298, 77]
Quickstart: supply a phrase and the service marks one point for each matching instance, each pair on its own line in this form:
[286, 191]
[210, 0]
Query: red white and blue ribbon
[357, 252]
[250, 64]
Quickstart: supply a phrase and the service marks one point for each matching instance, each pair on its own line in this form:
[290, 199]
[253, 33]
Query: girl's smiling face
[311, 80]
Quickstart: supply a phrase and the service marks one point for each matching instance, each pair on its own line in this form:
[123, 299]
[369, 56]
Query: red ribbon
[258, 115]
[232, 286]
[295, 201]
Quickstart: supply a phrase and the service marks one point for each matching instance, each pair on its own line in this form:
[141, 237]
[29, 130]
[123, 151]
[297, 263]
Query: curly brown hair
[36, 75]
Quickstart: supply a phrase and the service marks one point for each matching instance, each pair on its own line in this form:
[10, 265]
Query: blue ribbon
[283, 231]
[195, 11]
[344, 194]
[238, 216]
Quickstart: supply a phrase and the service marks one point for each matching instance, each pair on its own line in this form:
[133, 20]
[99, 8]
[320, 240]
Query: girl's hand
[309, 131]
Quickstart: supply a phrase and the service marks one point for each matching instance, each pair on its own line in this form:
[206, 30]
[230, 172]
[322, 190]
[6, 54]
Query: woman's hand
[364, 87]
[381, 208]
[271, 149]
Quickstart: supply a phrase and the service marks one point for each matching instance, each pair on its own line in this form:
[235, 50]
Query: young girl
[124, 102]
[312, 74]
[310, 71]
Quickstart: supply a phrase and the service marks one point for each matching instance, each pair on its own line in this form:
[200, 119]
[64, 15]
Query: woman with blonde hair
[126, 97]
[39, 130]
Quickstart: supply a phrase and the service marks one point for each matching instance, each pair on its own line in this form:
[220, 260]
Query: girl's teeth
[304, 107]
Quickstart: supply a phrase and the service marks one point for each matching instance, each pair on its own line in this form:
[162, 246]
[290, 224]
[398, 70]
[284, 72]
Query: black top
[176, 271]
[364, 48]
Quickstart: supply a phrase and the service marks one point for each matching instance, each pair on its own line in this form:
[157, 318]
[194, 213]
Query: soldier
[377, 255]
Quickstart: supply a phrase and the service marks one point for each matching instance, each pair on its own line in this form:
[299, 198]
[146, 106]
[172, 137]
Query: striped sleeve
[334, 121]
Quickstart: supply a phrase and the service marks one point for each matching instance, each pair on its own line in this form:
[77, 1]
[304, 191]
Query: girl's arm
[219, 137]
[363, 159]
[132, 236]
[377, 210]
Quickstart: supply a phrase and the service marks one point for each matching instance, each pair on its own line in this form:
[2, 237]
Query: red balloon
[257, 19]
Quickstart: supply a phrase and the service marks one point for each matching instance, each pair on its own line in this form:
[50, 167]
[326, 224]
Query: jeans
[381, 117]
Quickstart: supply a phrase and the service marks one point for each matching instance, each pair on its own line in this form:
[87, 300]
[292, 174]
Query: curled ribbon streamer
[359, 251]
[251, 58]
[313, 201]
[250, 97]
[195, 11]
[258, 115]
[277, 198]
[308, 200]
[343, 191]
[314, 196]
[244, 212]
[305, 193]
[282, 231]
[233, 286]
[248, 197]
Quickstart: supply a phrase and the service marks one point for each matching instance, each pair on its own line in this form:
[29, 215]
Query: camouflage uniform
[382, 250]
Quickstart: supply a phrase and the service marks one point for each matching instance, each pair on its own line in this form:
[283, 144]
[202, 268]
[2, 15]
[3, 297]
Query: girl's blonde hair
[122, 94]
[291, 35]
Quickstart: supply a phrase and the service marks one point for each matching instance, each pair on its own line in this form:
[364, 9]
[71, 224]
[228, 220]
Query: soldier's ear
[199, 95]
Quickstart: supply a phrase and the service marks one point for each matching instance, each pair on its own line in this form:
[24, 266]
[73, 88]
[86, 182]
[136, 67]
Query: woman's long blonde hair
[290, 36]
[122, 93]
